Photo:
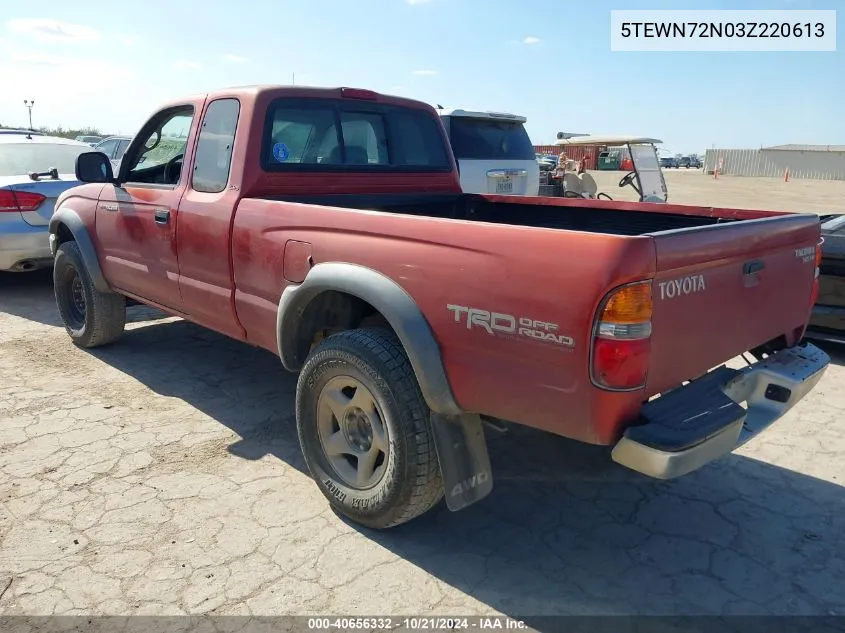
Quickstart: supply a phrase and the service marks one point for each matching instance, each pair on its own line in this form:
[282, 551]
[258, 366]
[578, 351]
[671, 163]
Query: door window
[159, 159]
[214, 148]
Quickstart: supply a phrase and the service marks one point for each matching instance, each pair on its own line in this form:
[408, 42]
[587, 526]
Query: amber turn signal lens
[629, 304]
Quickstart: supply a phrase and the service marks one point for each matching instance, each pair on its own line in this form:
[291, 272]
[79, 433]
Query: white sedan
[34, 170]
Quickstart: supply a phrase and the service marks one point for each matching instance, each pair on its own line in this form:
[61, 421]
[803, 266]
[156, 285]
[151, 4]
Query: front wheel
[91, 318]
[364, 429]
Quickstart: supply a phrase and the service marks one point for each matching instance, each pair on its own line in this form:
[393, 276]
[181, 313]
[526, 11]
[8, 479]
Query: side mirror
[94, 167]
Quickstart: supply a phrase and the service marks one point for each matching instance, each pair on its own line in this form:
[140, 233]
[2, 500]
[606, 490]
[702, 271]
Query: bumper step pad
[669, 423]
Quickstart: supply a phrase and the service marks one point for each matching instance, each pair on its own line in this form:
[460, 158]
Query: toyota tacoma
[328, 226]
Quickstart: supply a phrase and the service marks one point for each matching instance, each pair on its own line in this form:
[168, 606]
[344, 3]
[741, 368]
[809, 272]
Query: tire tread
[105, 317]
[393, 367]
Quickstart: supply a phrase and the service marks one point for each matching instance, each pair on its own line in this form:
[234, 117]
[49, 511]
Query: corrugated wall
[773, 163]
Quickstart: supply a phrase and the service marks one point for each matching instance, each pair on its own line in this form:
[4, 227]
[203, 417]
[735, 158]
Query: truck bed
[724, 281]
[591, 216]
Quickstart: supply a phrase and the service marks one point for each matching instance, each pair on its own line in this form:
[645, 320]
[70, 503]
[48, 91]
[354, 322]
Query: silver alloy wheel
[352, 432]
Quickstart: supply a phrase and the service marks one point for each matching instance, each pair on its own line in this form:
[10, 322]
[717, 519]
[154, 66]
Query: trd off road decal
[510, 326]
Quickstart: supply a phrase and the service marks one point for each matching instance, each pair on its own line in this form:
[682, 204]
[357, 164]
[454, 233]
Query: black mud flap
[464, 462]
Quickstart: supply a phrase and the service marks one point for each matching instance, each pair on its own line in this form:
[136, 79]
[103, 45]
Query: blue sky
[107, 65]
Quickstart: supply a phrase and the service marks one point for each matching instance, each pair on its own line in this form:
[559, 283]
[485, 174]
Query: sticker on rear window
[280, 152]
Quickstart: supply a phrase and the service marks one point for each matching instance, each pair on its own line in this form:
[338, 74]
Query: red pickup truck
[328, 226]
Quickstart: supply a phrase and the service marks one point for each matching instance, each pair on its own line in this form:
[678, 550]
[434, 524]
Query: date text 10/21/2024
[420, 623]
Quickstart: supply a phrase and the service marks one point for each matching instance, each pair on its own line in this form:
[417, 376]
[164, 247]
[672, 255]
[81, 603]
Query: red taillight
[8, 201]
[621, 364]
[20, 200]
[622, 338]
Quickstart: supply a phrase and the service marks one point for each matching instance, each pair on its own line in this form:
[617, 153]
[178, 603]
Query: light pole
[29, 105]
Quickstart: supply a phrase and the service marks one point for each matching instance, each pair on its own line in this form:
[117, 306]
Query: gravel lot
[691, 186]
[162, 475]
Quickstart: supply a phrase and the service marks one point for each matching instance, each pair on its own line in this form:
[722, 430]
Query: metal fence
[808, 165]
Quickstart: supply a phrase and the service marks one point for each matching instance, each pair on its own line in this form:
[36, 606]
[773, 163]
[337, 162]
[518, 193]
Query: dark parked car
[689, 161]
[669, 162]
[547, 162]
[827, 322]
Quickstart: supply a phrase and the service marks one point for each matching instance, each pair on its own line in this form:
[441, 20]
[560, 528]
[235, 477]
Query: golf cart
[646, 177]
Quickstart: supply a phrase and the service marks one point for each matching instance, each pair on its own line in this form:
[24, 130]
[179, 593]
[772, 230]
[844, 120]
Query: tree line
[69, 133]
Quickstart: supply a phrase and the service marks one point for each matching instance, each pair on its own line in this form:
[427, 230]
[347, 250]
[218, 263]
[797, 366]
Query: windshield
[489, 139]
[648, 169]
[18, 159]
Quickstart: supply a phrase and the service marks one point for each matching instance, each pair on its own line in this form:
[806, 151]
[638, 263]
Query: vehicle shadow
[565, 531]
[211, 372]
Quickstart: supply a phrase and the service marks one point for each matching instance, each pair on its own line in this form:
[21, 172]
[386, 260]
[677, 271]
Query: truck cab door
[205, 220]
[136, 218]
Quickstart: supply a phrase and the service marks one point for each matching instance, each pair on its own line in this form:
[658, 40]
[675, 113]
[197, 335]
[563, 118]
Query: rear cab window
[18, 159]
[489, 139]
[340, 135]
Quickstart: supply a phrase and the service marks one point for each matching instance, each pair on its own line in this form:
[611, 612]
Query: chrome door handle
[162, 216]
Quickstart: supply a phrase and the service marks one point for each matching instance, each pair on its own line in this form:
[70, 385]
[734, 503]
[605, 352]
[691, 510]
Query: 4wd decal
[465, 486]
[683, 286]
[510, 326]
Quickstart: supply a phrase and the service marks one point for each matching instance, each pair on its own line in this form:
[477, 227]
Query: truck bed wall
[543, 276]
[592, 219]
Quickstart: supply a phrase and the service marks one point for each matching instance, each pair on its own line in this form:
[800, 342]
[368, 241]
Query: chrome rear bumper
[703, 420]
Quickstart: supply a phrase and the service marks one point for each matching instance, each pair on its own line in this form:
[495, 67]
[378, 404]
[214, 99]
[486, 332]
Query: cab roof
[275, 91]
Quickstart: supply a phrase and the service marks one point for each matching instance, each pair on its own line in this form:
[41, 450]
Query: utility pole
[29, 105]
[293, 79]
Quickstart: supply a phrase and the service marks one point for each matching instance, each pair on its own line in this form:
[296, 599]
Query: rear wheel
[364, 429]
[91, 318]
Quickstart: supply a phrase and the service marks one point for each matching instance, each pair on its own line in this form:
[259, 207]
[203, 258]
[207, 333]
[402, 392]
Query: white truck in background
[493, 152]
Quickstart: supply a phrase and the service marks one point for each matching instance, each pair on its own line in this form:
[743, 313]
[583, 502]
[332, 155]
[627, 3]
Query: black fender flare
[397, 307]
[71, 219]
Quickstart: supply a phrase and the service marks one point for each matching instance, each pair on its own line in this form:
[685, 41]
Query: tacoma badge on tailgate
[806, 255]
[500, 324]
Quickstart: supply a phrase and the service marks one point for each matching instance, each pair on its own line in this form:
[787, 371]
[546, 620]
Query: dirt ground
[692, 186]
[162, 475]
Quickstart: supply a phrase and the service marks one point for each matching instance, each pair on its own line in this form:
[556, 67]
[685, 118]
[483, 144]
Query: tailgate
[724, 289]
